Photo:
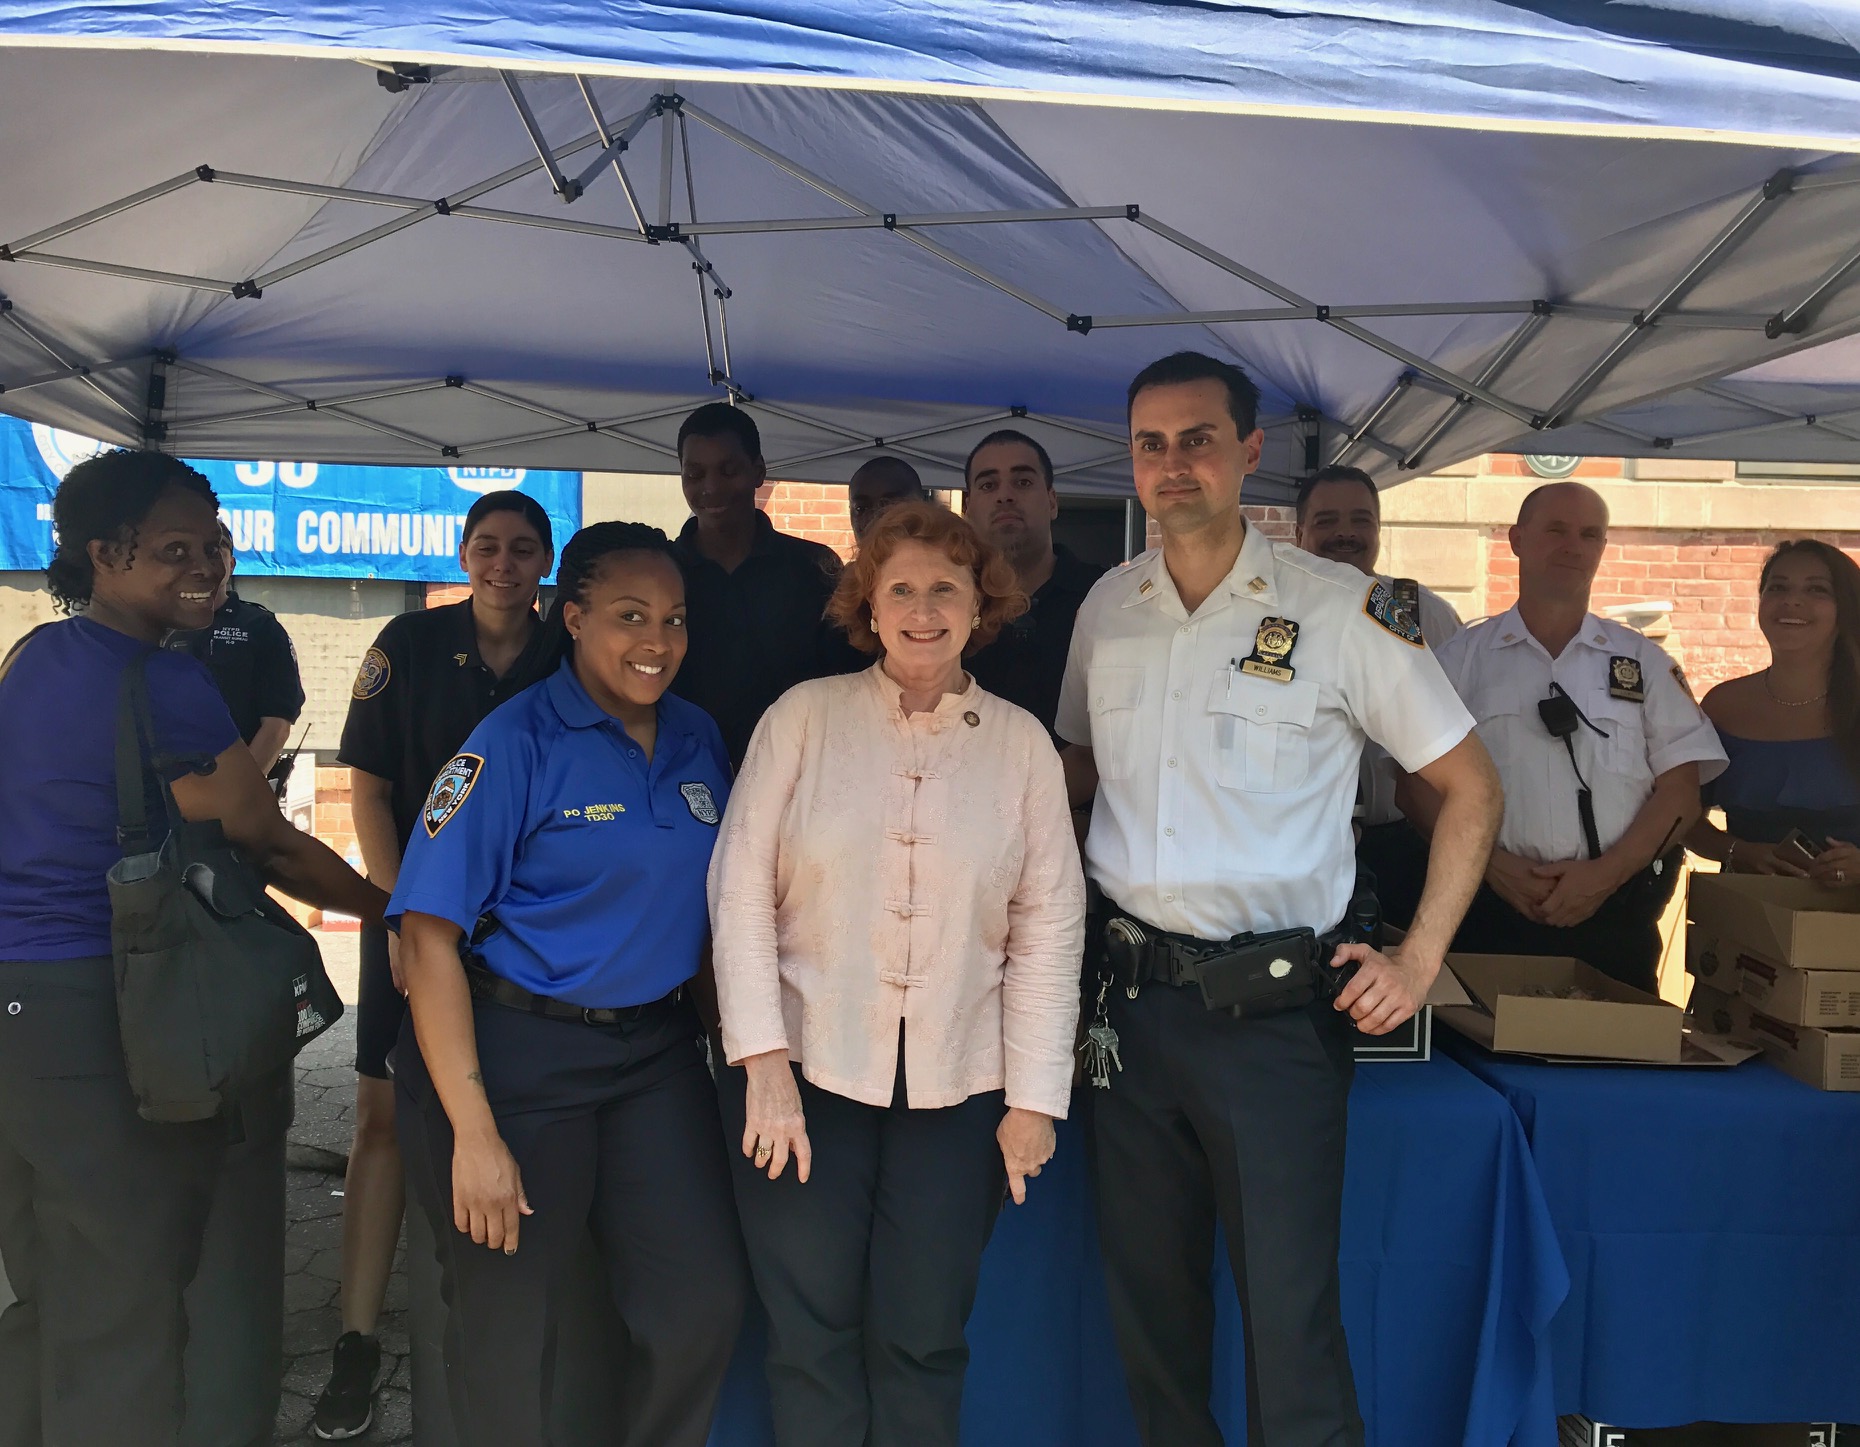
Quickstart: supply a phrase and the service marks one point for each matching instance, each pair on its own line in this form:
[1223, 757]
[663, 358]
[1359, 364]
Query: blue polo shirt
[592, 859]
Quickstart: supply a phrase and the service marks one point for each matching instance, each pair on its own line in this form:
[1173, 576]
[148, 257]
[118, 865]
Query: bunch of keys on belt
[1100, 1047]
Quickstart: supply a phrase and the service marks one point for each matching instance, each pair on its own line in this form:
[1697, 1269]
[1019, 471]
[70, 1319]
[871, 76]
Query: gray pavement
[319, 1152]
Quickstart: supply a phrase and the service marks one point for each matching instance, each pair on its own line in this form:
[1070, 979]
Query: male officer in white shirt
[1600, 747]
[1339, 516]
[1217, 695]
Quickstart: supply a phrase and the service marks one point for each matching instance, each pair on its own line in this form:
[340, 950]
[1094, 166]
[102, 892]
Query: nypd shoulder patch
[373, 675]
[450, 787]
[1381, 605]
[698, 799]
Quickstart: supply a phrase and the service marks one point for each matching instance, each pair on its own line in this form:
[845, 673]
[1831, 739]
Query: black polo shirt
[420, 692]
[251, 658]
[759, 631]
[1027, 662]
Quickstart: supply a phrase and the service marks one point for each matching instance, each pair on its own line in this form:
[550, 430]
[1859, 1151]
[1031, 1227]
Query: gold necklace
[1790, 702]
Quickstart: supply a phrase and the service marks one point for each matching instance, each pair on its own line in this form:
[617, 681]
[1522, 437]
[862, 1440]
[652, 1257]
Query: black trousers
[868, 1272]
[614, 1128]
[101, 1218]
[1240, 1121]
[234, 1368]
[1621, 939]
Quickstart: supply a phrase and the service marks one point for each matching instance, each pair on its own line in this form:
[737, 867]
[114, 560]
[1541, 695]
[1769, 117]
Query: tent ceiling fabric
[859, 264]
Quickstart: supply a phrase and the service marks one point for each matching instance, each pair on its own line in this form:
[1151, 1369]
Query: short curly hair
[998, 589]
[104, 499]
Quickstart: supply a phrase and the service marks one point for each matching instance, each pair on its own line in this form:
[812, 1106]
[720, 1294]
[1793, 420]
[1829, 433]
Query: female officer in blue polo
[552, 916]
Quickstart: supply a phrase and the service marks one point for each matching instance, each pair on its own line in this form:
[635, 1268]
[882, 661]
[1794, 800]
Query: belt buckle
[590, 1016]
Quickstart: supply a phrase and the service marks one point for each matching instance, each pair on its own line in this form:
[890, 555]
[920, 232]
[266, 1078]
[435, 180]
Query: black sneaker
[347, 1407]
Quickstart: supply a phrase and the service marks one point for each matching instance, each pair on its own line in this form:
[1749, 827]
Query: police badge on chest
[1272, 647]
[1625, 680]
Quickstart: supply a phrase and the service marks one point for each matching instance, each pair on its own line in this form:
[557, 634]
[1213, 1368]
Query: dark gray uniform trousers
[101, 1220]
[869, 1271]
[612, 1127]
[234, 1367]
[1240, 1121]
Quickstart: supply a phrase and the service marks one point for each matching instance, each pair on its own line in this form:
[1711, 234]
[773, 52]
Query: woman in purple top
[102, 1212]
[1792, 732]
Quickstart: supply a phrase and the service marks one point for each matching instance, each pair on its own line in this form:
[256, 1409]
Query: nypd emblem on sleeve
[698, 800]
[373, 675]
[450, 788]
[1382, 605]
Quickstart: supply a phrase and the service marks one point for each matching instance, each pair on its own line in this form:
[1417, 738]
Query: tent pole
[563, 187]
[1747, 219]
[1342, 324]
[10, 315]
[1794, 319]
[104, 212]
[1519, 339]
[1355, 436]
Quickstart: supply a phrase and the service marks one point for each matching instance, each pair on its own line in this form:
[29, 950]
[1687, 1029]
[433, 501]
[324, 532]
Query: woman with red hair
[898, 912]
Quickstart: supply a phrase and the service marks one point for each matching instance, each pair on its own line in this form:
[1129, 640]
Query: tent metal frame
[673, 113]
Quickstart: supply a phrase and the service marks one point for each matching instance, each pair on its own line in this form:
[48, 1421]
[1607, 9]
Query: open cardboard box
[1792, 922]
[1512, 1015]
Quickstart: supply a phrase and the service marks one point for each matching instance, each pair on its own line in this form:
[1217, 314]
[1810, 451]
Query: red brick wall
[812, 510]
[1710, 578]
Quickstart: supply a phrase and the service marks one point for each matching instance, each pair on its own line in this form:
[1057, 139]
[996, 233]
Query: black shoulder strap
[141, 773]
[135, 742]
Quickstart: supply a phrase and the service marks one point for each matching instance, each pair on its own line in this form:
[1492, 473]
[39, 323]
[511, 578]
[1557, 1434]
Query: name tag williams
[697, 798]
[450, 788]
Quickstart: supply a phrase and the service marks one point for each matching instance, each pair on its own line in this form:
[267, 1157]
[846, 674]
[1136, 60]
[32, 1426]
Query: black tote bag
[217, 986]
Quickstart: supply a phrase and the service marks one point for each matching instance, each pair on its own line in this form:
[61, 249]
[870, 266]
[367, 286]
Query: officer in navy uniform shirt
[758, 597]
[1009, 498]
[427, 681]
[251, 659]
[555, 1079]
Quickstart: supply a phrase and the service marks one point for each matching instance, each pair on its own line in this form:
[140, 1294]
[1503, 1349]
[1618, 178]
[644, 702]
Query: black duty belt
[498, 991]
[1251, 974]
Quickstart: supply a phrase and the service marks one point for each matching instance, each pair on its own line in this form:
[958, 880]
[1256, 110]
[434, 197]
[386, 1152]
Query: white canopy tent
[532, 246]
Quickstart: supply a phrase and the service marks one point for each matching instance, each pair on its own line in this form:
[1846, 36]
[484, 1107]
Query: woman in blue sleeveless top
[1792, 731]
[101, 1212]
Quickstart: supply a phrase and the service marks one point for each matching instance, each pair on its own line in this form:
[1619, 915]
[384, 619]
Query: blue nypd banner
[293, 519]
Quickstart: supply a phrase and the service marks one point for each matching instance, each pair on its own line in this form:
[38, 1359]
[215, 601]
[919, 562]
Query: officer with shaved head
[1600, 747]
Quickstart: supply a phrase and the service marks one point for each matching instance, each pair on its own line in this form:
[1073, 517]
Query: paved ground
[319, 1147]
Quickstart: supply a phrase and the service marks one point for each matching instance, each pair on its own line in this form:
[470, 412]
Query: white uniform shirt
[1502, 672]
[1224, 799]
[1376, 783]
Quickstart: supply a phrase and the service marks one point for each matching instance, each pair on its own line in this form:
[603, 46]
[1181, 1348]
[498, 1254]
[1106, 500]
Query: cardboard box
[1710, 1008]
[1825, 1059]
[1514, 1014]
[1800, 997]
[1710, 961]
[1785, 921]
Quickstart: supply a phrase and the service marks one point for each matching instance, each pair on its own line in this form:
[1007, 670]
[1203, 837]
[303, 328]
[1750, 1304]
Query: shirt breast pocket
[1624, 752]
[1262, 733]
[1115, 691]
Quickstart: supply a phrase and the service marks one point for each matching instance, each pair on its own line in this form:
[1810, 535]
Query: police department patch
[1382, 605]
[373, 675]
[449, 789]
[703, 807]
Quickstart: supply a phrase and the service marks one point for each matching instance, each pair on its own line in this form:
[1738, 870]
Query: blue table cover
[1711, 1222]
[1451, 1276]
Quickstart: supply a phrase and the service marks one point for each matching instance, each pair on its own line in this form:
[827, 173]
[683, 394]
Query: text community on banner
[292, 519]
